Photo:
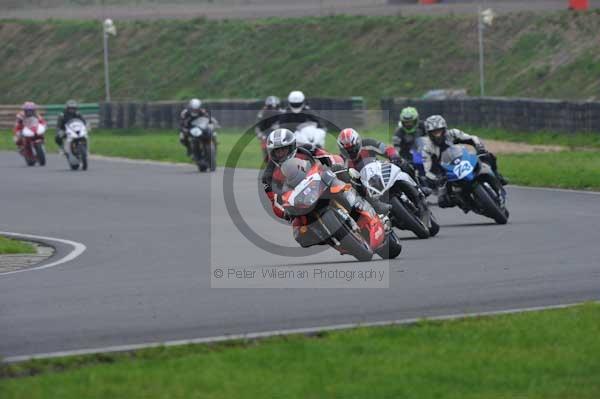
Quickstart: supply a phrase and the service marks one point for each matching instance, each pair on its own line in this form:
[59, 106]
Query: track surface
[146, 273]
[252, 9]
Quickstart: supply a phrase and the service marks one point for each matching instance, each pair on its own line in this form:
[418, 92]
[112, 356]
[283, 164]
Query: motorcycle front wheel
[488, 205]
[40, 154]
[350, 242]
[407, 220]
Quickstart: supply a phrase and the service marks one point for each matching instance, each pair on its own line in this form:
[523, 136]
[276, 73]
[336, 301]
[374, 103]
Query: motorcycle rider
[281, 145]
[409, 129]
[70, 112]
[439, 138]
[355, 151]
[188, 115]
[28, 109]
[297, 112]
[267, 121]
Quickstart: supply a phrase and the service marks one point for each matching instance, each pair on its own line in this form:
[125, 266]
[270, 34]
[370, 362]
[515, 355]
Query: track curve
[152, 232]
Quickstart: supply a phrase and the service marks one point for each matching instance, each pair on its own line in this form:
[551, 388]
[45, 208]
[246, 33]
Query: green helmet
[409, 117]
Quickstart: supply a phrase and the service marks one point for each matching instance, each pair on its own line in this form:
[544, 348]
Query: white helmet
[296, 101]
[194, 105]
[281, 145]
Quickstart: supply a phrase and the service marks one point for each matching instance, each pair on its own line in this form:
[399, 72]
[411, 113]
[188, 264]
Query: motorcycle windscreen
[305, 197]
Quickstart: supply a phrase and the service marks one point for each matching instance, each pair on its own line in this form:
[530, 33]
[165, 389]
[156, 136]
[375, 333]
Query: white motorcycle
[204, 143]
[309, 136]
[75, 145]
[388, 183]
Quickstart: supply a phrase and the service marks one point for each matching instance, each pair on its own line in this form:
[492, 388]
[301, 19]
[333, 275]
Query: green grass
[9, 246]
[527, 54]
[566, 169]
[550, 354]
[570, 140]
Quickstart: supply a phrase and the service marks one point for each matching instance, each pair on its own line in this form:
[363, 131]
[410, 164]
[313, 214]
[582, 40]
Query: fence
[229, 113]
[507, 113]
[91, 112]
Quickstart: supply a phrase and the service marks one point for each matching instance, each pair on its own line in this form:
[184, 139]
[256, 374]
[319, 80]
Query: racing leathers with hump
[281, 145]
[439, 138]
[70, 112]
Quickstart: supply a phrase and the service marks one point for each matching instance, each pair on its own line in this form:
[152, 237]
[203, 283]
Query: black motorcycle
[203, 142]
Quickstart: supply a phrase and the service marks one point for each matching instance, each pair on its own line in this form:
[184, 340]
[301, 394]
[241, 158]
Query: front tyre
[407, 220]
[213, 156]
[350, 241]
[489, 207]
[40, 153]
[83, 155]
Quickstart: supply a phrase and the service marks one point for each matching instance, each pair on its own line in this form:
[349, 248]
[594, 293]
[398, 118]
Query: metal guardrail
[91, 112]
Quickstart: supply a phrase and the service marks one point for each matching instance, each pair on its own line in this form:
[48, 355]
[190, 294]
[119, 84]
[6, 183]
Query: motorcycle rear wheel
[391, 248]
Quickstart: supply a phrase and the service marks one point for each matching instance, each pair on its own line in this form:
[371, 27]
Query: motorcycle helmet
[281, 145]
[272, 102]
[296, 101]
[71, 106]
[436, 127]
[29, 108]
[409, 118]
[195, 105]
[350, 143]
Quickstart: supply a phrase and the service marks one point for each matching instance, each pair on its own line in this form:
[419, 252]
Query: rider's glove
[480, 149]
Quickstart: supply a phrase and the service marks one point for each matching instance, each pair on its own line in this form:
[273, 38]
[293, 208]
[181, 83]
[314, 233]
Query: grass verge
[549, 354]
[578, 169]
[9, 246]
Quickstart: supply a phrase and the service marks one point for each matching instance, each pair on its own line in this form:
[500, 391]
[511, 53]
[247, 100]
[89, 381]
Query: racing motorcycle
[32, 137]
[388, 183]
[75, 146]
[472, 184]
[331, 215]
[203, 140]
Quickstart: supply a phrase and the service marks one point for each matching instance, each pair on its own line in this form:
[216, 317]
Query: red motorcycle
[327, 211]
[32, 142]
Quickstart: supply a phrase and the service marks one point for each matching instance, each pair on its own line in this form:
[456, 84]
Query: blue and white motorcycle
[472, 184]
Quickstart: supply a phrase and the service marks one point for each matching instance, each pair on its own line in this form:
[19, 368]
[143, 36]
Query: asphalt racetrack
[152, 231]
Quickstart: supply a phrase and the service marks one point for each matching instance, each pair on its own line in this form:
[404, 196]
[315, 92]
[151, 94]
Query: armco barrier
[50, 113]
[229, 113]
[518, 114]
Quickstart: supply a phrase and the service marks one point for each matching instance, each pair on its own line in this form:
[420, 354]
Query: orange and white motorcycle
[327, 211]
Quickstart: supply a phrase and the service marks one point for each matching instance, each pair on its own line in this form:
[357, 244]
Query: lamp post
[108, 29]
[483, 18]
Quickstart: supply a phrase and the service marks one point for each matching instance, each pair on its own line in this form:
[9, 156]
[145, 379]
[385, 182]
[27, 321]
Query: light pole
[108, 29]
[483, 18]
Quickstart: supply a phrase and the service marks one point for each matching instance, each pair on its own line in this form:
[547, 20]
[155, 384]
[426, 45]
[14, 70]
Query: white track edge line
[78, 249]
[274, 333]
